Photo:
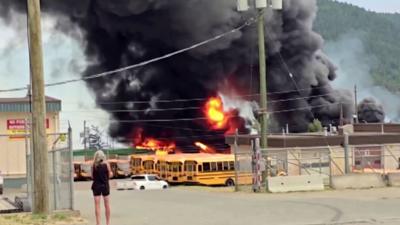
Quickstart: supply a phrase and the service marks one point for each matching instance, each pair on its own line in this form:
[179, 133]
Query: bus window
[206, 167]
[201, 168]
[226, 166]
[219, 166]
[189, 167]
[231, 165]
[213, 166]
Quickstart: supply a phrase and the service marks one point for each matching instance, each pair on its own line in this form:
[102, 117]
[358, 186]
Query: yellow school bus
[83, 170]
[141, 164]
[120, 168]
[204, 169]
[210, 169]
[170, 168]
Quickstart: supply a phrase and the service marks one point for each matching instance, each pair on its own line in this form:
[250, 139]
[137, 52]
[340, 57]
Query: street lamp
[261, 5]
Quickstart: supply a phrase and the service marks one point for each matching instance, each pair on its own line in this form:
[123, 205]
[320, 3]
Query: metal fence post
[235, 147]
[330, 167]
[71, 168]
[27, 159]
[346, 153]
[53, 166]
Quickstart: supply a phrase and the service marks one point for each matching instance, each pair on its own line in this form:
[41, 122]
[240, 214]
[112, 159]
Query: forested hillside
[379, 32]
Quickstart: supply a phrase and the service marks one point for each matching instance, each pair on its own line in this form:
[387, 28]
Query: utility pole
[355, 105]
[39, 138]
[261, 7]
[263, 79]
[84, 135]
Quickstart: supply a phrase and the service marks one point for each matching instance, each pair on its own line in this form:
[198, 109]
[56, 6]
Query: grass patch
[38, 219]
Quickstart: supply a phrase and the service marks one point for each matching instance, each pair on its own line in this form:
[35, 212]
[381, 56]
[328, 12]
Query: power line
[144, 63]
[179, 109]
[204, 99]
[134, 110]
[204, 118]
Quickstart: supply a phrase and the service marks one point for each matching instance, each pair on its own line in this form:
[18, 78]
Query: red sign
[16, 124]
[19, 124]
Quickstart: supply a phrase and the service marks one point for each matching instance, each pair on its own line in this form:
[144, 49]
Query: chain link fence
[61, 169]
[254, 165]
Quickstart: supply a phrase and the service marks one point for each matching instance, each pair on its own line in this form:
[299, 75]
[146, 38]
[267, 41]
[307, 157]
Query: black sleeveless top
[100, 176]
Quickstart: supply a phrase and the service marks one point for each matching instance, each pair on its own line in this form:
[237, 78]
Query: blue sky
[391, 6]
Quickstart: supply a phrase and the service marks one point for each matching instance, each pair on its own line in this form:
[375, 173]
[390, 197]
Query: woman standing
[101, 173]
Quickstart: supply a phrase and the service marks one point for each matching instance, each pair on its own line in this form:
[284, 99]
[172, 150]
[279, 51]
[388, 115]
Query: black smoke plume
[369, 111]
[125, 32]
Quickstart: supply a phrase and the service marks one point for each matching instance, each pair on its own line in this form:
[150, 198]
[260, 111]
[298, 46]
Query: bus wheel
[165, 187]
[230, 183]
[141, 188]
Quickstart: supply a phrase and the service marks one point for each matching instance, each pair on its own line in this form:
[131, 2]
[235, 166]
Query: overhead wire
[144, 63]
[203, 99]
[178, 109]
[205, 118]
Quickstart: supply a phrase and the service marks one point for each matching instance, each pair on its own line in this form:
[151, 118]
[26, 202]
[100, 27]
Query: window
[213, 166]
[201, 168]
[226, 166]
[123, 166]
[151, 178]
[206, 167]
[138, 178]
[219, 166]
[189, 167]
[231, 165]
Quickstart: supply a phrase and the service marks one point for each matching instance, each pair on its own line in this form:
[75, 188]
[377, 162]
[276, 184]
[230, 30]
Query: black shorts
[101, 190]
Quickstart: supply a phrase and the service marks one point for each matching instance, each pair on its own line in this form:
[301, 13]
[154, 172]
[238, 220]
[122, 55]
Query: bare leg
[97, 208]
[108, 211]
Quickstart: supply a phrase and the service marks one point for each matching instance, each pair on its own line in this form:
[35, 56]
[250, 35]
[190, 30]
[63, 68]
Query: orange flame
[216, 116]
[204, 148]
[160, 147]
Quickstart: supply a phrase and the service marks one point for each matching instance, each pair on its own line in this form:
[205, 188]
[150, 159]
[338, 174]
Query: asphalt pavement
[219, 206]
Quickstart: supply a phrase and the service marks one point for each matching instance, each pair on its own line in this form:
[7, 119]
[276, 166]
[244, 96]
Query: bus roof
[199, 157]
[196, 157]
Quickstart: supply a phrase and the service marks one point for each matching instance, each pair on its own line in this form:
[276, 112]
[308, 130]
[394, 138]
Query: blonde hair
[99, 157]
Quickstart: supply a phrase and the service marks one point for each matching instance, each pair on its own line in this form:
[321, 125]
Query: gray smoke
[124, 32]
[369, 111]
[360, 75]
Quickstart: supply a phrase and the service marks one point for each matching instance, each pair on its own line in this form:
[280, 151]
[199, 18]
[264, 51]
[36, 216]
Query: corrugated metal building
[14, 112]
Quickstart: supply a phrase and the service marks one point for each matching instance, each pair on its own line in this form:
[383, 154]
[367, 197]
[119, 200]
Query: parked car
[1, 183]
[148, 182]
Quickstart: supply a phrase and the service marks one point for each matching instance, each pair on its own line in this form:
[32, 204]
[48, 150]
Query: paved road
[203, 206]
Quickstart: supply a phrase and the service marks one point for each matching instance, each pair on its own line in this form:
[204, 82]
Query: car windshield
[138, 178]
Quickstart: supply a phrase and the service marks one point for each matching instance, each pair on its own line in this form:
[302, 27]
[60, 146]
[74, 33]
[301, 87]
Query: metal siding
[24, 107]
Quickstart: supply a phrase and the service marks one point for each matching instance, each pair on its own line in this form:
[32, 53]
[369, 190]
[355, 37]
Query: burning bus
[83, 170]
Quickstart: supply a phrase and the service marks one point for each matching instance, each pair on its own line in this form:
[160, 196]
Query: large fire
[204, 148]
[160, 147]
[216, 116]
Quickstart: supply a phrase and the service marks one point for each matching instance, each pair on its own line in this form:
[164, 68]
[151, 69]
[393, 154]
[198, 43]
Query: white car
[1, 183]
[148, 182]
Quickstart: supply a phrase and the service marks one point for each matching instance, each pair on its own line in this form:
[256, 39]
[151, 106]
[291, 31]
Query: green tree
[379, 33]
[315, 126]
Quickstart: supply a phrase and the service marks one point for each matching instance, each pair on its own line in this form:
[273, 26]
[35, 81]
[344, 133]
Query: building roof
[23, 104]
[25, 100]
[291, 141]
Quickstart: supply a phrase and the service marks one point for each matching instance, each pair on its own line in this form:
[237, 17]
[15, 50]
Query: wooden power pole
[39, 138]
